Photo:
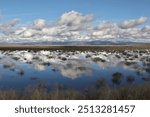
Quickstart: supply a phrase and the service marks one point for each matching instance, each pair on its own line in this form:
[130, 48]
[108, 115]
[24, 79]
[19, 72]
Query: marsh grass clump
[46, 63]
[147, 69]
[124, 53]
[63, 58]
[97, 59]
[146, 63]
[81, 68]
[101, 83]
[15, 58]
[87, 56]
[136, 56]
[50, 56]
[118, 56]
[130, 79]
[128, 63]
[117, 77]
[6, 65]
[146, 78]
[131, 58]
[147, 59]
[29, 62]
[21, 72]
[36, 58]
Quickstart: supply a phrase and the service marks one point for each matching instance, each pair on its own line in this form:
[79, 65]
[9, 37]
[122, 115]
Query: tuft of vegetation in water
[130, 79]
[97, 59]
[117, 77]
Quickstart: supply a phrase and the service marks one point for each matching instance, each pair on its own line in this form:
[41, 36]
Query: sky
[74, 20]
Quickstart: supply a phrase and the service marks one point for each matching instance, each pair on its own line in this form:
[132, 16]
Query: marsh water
[73, 69]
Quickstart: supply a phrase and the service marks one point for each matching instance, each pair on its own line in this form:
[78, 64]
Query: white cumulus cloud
[39, 23]
[73, 18]
[133, 23]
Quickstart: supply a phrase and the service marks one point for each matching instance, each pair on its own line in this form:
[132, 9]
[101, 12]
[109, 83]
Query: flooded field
[79, 71]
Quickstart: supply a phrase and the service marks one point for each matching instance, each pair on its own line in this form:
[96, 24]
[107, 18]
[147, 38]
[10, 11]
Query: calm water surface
[73, 70]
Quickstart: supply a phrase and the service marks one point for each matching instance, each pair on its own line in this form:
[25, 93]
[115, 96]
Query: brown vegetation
[99, 92]
[117, 78]
[80, 48]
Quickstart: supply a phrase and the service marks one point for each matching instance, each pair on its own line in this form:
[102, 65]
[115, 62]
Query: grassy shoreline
[102, 93]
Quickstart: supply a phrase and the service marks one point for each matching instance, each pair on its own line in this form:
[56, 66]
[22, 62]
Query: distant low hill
[77, 43]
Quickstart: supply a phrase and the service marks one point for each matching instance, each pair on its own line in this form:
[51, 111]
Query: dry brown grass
[80, 48]
[9, 95]
[101, 92]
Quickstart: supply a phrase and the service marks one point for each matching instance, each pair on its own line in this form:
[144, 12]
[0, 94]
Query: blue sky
[115, 10]
[68, 20]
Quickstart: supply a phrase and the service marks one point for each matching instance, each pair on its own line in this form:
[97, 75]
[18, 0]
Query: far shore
[76, 47]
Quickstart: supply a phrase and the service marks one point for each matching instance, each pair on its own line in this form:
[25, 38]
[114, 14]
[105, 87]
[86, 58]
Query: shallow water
[73, 69]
